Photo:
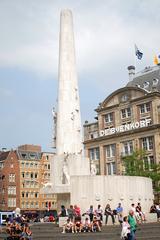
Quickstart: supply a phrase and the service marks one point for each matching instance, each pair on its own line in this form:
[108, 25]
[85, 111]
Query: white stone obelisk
[69, 160]
[68, 132]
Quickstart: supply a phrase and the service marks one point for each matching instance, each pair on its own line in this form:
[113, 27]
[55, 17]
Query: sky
[105, 33]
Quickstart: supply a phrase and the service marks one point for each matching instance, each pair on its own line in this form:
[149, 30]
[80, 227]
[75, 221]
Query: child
[95, 225]
[68, 227]
[86, 225]
[125, 233]
[78, 224]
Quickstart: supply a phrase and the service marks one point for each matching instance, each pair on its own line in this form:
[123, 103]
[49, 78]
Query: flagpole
[134, 58]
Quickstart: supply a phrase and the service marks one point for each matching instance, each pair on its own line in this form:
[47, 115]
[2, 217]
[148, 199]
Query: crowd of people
[18, 228]
[91, 220]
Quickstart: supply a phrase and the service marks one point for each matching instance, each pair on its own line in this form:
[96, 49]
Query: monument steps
[147, 231]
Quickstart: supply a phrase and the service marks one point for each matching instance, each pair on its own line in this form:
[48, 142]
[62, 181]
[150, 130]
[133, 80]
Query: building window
[110, 150]
[126, 112]
[111, 168]
[11, 177]
[32, 156]
[27, 165]
[32, 194]
[22, 164]
[31, 165]
[22, 194]
[11, 166]
[48, 166]
[144, 108]
[23, 175]
[127, 148]
[23, 205]
[27, 204]
[1, 165]
[24, 155]
[27, 175]
[11, 190]
[36, 175]
[11, 202]
[36, 195]
[147, 143]
[108, 118]
[94, 153]
[149, 162]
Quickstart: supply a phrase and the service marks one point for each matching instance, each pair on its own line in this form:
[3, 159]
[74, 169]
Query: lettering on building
[125, 127]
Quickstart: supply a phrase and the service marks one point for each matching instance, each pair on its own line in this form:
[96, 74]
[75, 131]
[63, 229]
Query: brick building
[9, 180]
[22, 173]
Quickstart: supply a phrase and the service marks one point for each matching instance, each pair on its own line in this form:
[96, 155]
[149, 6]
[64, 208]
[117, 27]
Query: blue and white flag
[138, 53]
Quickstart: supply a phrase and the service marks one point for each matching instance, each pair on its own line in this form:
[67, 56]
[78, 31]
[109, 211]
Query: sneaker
[63, 232]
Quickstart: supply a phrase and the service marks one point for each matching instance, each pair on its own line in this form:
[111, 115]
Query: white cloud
[105, 33]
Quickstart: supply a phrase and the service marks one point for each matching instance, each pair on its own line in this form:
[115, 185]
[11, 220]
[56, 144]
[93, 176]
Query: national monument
[73, 179]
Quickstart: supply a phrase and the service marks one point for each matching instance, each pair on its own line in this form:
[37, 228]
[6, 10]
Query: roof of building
[148, 79]
[4, 155]
[26, 155]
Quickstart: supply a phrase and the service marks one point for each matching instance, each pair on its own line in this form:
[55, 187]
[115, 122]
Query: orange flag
[155, 60]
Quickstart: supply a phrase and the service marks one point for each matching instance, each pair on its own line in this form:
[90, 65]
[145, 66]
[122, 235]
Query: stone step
[51, 232]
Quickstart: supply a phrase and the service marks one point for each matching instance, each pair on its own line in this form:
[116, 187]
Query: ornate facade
[127, 119]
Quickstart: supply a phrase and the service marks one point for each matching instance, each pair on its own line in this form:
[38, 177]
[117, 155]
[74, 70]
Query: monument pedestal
[94, 190]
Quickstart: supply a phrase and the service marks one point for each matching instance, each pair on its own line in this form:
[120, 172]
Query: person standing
[133, 225]
[70, 211]
[90, 212]
[125, 233]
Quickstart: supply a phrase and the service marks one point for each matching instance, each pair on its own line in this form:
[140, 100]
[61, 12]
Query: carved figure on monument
[65, 172]
[54, 114]
[93, 169]
[48, 185]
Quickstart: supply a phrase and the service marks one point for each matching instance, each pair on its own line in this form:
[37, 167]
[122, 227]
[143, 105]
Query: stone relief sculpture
[54, 115]
[65, 171]
[93, 169]
[47, 185]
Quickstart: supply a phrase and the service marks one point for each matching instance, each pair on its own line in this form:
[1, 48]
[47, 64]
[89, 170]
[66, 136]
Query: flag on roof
[155, 60]
[138, 53]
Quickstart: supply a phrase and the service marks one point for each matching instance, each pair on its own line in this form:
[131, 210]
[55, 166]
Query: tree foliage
[135, 165]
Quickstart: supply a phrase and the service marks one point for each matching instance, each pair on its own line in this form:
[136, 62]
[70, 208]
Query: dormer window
[155, 81]
[146, 84]
[124, 98]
